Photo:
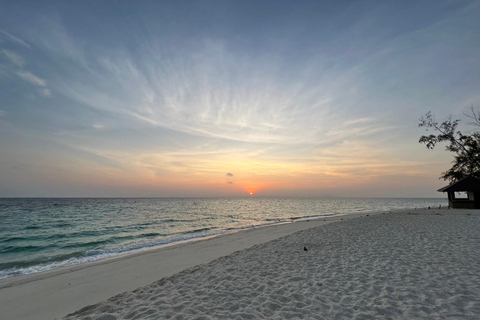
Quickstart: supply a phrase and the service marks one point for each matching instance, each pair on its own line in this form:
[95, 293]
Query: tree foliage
[466, 147]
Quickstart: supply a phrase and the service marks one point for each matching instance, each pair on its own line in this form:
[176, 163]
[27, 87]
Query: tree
[466, 147]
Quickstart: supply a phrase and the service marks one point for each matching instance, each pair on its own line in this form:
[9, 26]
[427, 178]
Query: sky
[227, 98]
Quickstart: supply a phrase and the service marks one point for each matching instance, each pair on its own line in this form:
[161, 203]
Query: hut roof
[466, 184]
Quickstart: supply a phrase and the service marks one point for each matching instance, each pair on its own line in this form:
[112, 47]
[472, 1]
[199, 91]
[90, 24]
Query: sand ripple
[393, 266]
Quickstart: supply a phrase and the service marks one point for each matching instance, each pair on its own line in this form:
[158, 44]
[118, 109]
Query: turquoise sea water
[43, 234]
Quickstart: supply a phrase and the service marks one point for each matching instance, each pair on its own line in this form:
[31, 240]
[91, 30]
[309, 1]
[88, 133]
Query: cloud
[12, 38]
[193, 93]
[98, 126]
[46, 92]
[358, 127]
[2, 113]
[229, 175]
[39, 82]
[14, 58]
[30, 77]
[53, 37]
[19, 62]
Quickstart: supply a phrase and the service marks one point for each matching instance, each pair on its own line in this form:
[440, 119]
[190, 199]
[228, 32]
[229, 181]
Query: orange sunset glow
[225, 110]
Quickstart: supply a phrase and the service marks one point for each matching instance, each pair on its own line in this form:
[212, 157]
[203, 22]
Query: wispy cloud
[194, 95]
[46, 92]
[4, 34]
[36, 81]
[14, 58]
[358, 127]
[53, 37]
[2, 113]
[16, 67]
[30, 77]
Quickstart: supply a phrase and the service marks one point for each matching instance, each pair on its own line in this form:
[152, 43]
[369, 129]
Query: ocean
[37, 235]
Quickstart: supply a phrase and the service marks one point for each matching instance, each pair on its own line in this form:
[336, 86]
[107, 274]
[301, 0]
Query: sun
[251, 193]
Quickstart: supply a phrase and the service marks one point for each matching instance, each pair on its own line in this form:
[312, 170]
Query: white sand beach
[413, 264]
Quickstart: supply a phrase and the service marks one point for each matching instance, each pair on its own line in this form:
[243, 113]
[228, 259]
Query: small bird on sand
[305, 249]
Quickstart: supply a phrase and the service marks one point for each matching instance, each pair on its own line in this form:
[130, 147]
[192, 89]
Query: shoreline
[142, 250]
[71, 288]
[54, 294]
